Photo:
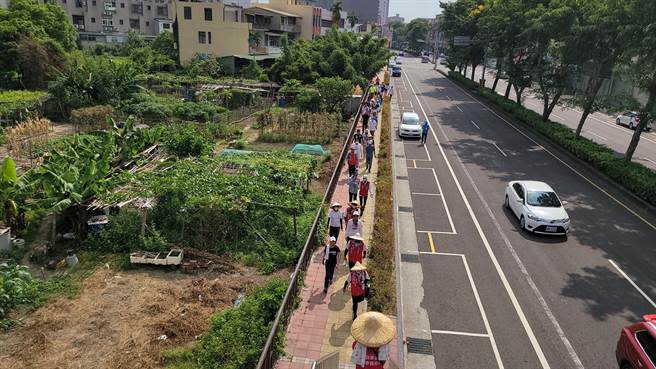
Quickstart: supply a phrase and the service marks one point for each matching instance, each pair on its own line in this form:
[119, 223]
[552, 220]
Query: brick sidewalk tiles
[322, 322]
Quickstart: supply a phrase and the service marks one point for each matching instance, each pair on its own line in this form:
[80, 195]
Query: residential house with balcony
[108, 21]
[210, 28]
[268, 27]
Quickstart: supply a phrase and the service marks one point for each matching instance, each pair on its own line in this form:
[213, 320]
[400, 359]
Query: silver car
[409, 125]
[630, 119]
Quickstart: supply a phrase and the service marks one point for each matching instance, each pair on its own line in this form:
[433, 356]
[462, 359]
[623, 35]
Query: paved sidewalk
[322, 323]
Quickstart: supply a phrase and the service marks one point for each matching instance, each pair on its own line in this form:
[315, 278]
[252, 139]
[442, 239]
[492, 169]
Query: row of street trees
[545, 46]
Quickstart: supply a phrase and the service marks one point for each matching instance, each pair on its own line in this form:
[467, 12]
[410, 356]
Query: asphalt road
[599, 127]
[496, 296]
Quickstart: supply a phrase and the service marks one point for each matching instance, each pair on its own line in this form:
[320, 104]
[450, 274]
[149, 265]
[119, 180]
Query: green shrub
[236, 336]
[16, 286]
[633, 176]
[18, 105]
[123, 234]
[309, 100]
[188, 139]
[163, 108]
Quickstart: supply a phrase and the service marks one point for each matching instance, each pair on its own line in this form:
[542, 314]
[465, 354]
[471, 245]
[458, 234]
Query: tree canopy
[40, 33]
[337, 54]
[559, 49]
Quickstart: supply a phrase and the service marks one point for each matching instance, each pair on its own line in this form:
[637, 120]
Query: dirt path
[118, 317]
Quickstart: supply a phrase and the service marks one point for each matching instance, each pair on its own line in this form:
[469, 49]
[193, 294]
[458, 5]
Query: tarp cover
[309, 149]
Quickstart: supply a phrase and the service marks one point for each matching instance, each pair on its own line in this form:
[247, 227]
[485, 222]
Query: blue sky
[411, 9]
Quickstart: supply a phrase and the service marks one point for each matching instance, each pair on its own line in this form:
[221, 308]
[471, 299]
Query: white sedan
[409, 125]
[537, 207]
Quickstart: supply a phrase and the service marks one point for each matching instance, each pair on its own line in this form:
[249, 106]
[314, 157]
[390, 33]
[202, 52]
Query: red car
[636, 348]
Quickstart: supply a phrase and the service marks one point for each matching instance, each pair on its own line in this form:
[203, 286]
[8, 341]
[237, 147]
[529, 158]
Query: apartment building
[210, 28]
[268, 27]
[108, 21]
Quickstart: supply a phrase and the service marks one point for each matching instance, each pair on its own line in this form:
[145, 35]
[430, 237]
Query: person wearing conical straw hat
[372, 332]
[335, 220]
[355, 250]
[352, 206]
[358, 278]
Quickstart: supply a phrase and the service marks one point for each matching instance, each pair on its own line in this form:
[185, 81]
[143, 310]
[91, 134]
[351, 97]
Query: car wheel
[506, 203]
[631, 126]
[617, 121]
[522, 223]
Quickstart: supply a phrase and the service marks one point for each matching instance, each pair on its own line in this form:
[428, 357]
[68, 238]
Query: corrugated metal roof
[275, 11]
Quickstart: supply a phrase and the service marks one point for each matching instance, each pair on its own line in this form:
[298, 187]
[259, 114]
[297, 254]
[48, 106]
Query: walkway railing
[269, 354]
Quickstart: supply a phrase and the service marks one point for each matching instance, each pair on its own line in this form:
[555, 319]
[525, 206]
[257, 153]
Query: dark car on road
[396, 71]
[636, 348]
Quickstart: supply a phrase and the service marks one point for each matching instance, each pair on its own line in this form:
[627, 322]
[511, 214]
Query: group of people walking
[372, 331]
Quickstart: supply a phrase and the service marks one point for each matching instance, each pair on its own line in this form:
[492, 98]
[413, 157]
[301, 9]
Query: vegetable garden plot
[250, 212]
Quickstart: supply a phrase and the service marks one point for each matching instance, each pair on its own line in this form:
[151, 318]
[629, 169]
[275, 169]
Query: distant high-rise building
[396, 19]
[365, 10]
[99, 21]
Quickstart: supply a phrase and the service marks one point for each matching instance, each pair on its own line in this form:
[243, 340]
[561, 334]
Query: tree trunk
[549, 107]
[496, 80]
[591, 94]
[644, 121]
[518, 94]
[473, 73]
[507, 94]
[464, 71]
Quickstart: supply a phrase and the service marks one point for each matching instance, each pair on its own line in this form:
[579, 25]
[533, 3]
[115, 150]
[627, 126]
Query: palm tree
[336, 10]
[353, 19]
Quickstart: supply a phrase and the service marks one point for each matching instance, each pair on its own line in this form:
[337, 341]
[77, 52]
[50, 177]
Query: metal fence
[268, 356]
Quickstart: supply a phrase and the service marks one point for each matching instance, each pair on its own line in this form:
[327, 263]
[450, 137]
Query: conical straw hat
[373, 329]
[358, 267]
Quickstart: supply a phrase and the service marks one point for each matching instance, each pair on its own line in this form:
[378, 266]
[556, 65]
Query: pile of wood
[197, 260]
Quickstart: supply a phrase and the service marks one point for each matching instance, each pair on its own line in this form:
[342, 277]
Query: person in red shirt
[352, 160]
[358, 278]
[364, 192]
[355, 251]
[373, 333]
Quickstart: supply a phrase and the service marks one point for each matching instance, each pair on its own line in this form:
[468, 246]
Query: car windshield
[411, 121]
[543, 199]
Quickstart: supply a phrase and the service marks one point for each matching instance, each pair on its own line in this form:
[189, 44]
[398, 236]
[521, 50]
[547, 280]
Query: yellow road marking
[430, 241]
[414, 163]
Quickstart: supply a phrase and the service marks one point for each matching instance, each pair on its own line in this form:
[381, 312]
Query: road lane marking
[493, 342]
[436, 331]
[441, 253]
[414, 163]
[649, 160]
[426, 194]
[559, 159]
[633, 283]
[573, 355]
[430, 241]
[475, 125]
[436, 232]
[504, 280]
[498, 148]
[459, 109]
[600, 136]
[446, 207]
[427, 154]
